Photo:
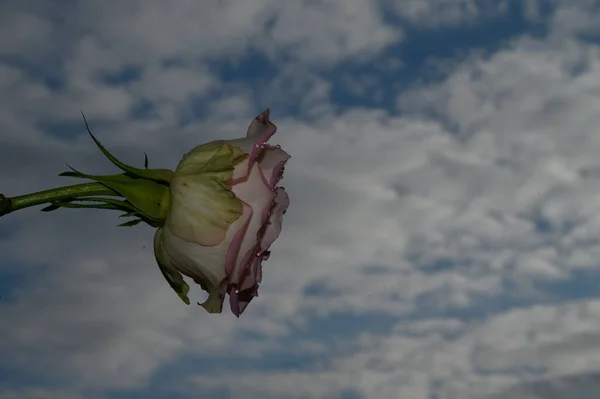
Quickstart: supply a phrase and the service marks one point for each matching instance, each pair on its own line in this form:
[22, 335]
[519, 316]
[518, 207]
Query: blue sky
[442, 238]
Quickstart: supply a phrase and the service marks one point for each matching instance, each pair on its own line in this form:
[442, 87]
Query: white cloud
[37, 393]
[443, 13]
[575, 17]
[98, 40]
[338, 29]
[416, 215]
[519, 127]
[417, 362]
[27, 31]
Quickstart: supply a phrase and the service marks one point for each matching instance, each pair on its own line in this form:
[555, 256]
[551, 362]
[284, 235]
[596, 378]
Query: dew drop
[278, 146]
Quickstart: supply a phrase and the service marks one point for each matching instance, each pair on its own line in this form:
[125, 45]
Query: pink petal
[243, 286]
[240, 172]
[274, 224]
[241, 295]
[256, 193]
[249, 280]
[271, 161]
[244, 266]
[257, 266]
[254, 181]
[260, 124]
[259, 132]
[234, 247]
[239, 300]
[242, 291]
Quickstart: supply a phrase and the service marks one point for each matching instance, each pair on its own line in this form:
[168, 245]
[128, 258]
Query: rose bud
[225, 212]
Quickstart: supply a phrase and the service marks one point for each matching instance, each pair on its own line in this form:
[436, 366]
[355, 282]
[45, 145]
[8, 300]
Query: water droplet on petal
[278, 146]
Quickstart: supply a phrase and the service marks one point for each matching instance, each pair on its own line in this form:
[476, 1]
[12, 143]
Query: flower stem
[11, 204]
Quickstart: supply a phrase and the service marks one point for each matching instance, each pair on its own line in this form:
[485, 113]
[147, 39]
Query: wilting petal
[271, 161]
[273, 227]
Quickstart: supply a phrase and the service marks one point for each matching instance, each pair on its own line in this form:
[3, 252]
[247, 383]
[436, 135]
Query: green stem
[11, 204]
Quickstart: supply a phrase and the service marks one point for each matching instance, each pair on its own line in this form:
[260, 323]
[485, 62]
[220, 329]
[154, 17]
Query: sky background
[443, 238]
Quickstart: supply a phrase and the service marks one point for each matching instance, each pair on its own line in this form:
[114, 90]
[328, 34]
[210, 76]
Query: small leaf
[158, 175]
[50, 208]
[71, 174]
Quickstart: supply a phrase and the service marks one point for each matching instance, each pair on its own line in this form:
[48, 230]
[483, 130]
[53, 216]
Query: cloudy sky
[443, 240]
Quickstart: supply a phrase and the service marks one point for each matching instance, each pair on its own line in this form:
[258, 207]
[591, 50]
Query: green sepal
[148, 198]
[104, 203]
[158, 175]
[69, 204]
[130, 223]
[173, 277]
[50, 208]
